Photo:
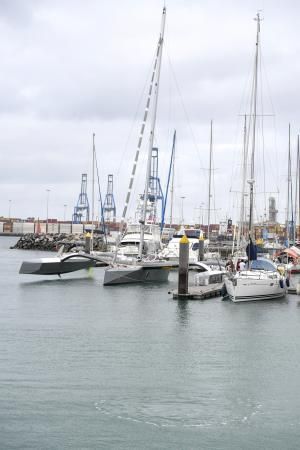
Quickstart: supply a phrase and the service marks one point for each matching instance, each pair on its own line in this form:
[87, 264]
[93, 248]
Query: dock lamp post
[65, 210]
[47, 218]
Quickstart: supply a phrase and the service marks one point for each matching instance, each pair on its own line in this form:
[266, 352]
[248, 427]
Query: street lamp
[65, 210]
[182, 219]
[9, 209]
[48, 191]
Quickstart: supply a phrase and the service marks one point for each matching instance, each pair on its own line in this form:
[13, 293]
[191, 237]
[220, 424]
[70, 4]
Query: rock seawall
[52, 242]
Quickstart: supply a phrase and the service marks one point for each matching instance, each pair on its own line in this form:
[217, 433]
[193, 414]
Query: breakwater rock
[52, 242]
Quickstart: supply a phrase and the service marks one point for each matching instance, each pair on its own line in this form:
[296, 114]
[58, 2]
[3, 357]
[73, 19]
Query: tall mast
[296, 192]
[298, 169]
[140, 140]
[251, 181]
[93, 193]
[152, 129]
[171, 172]
[209, 177]
[288, 193]
[172, 183]
[242, 210]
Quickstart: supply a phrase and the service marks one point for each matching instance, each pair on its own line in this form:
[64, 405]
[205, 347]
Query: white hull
[248, 286]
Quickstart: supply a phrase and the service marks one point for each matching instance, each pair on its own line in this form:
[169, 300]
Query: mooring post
[87, 247]
[183, 271]
[201, 249]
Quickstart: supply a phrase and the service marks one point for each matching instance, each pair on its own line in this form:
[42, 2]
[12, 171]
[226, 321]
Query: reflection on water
[57, 282]
[183, 312]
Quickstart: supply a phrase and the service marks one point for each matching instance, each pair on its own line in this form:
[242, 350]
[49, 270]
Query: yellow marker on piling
[184, 240]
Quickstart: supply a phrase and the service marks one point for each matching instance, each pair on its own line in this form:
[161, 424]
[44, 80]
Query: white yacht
[207, 273]
[171, 251]
[130, 242]
[260, 281]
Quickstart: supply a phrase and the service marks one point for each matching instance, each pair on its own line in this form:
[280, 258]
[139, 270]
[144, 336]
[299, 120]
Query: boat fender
[281, 284]
[287, 282]
[224, 291]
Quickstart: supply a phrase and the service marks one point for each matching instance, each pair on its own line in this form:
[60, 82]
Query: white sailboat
[261, 279]
[140, 268]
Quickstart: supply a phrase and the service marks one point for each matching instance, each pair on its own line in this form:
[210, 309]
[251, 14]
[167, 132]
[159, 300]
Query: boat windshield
[192, 233]
[188, 233]
[262, 264]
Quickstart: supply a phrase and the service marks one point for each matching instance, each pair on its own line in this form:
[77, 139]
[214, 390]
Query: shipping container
[52, 228]
[28, 227]
[7, 227]
[65, 228]
[1, 227]
[89, 226]
[17, 227]
[77, 228]
[42, 228]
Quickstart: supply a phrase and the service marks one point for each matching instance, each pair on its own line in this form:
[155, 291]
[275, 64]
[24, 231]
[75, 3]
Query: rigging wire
[185, 112]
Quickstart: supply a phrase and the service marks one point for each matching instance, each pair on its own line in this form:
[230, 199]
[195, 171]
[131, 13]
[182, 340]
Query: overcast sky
[70, 68]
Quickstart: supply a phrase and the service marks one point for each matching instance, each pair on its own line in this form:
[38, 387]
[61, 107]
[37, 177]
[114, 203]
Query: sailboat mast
[251, 181]
[242, 210]
[172, 183]
[296, 199]
[171, 168]
[209, 177]
[137, 153]
[93, 193]
[298, 169]
[152, 129]
[288, 193]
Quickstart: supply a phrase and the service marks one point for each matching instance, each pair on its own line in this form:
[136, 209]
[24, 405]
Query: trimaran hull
[135, 274]
[55, 266]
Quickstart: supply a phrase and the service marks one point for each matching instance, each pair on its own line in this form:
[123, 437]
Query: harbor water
[84, 366]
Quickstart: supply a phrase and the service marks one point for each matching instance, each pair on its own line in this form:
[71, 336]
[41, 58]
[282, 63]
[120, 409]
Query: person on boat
[229, 265]
[242, 265]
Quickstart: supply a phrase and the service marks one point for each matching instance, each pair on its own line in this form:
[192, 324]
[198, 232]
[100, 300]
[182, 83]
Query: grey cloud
[17, 12]
[71, 68]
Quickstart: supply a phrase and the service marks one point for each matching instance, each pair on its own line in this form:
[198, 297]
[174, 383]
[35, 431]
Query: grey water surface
[84, 366]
